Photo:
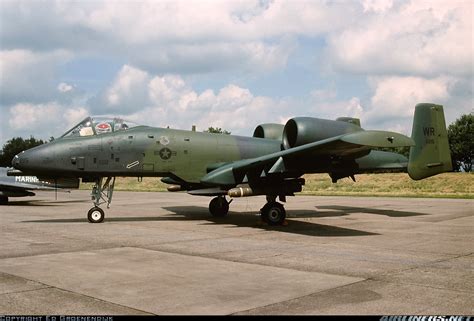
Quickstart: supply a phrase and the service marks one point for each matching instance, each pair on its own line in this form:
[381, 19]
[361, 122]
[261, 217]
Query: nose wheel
[95, 215]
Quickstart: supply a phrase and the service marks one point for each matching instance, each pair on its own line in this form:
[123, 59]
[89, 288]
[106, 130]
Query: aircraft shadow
[252, 220]
[338, 210]
[235, 219]
[42, 202]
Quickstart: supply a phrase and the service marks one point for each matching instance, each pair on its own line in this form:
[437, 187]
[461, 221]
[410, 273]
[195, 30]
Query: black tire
[219, 207]
[95, 215]
[3, 200]
[263, 210]
[274, 213]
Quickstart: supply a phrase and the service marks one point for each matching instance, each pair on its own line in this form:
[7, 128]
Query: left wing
[23, 186]
[15, 180]
[342, 145]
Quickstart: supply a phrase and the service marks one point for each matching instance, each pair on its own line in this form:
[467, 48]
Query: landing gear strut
[101, 193]
[219, 206]
[273, 212]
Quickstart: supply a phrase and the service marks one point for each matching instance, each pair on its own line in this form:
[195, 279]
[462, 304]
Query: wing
[348, 145]
[15, 190]
[22, 186]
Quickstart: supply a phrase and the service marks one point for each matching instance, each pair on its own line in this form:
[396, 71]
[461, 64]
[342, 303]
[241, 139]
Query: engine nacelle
[269, 131]
[303, 130]
[355, 121]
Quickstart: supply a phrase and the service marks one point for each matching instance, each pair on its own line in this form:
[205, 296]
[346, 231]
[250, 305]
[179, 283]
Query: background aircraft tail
[431, 154]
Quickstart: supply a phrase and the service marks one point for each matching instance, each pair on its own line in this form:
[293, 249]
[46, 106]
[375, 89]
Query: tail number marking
[428, 132]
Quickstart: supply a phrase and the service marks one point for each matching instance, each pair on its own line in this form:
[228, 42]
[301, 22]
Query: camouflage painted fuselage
[145, 151]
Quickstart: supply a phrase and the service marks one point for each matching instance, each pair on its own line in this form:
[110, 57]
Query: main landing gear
[219, 206]
[273, 213]
[101, 193]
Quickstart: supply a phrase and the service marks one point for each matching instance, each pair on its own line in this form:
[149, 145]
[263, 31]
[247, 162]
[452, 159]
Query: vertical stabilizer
[431, 154]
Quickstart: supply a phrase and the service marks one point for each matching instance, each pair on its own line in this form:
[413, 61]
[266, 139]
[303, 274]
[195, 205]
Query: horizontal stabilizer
[377, 138]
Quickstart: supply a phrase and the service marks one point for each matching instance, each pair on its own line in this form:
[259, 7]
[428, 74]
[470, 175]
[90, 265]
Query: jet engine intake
[304, 130]
[269, 131]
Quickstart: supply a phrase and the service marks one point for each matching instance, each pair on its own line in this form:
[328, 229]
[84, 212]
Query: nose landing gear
[101, 194]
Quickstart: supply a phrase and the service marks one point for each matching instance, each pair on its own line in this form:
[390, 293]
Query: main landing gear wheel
[95, 215]
[219, 207]
[273, 213]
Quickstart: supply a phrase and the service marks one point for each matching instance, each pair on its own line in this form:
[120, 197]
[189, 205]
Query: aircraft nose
[16, 161]
[34, 159]
[20, 160]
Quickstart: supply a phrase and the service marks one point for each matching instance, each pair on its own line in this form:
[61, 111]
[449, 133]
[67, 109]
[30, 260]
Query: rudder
[431, 154]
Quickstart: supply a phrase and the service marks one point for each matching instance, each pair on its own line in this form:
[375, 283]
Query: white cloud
[128, 91]
[170, 101]
[328, 105]
[64, 87]
[44, 120]
[422, 38]
[332, 108]
[377, 5]
[408, 51]
[73, 115]
[397, 96]
[167, 89]
[354, 108]
[394, 99]
[32, 116]
[29, 76]
[204, 20]
[173, 36]
[324, 94]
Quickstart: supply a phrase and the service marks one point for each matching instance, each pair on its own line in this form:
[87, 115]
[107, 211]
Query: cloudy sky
[231, 64]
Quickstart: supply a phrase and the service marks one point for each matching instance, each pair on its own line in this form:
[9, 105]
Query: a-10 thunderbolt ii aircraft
[270, 163]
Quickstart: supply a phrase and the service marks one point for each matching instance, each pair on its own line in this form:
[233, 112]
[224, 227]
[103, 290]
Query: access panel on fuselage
[191, 153]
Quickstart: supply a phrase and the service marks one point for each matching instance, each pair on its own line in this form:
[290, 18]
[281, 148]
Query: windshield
[97, 125]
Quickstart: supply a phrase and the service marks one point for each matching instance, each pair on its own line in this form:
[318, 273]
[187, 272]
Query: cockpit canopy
[97, 125]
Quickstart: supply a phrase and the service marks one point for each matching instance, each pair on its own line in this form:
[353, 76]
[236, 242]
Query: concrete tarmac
[162, 253]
